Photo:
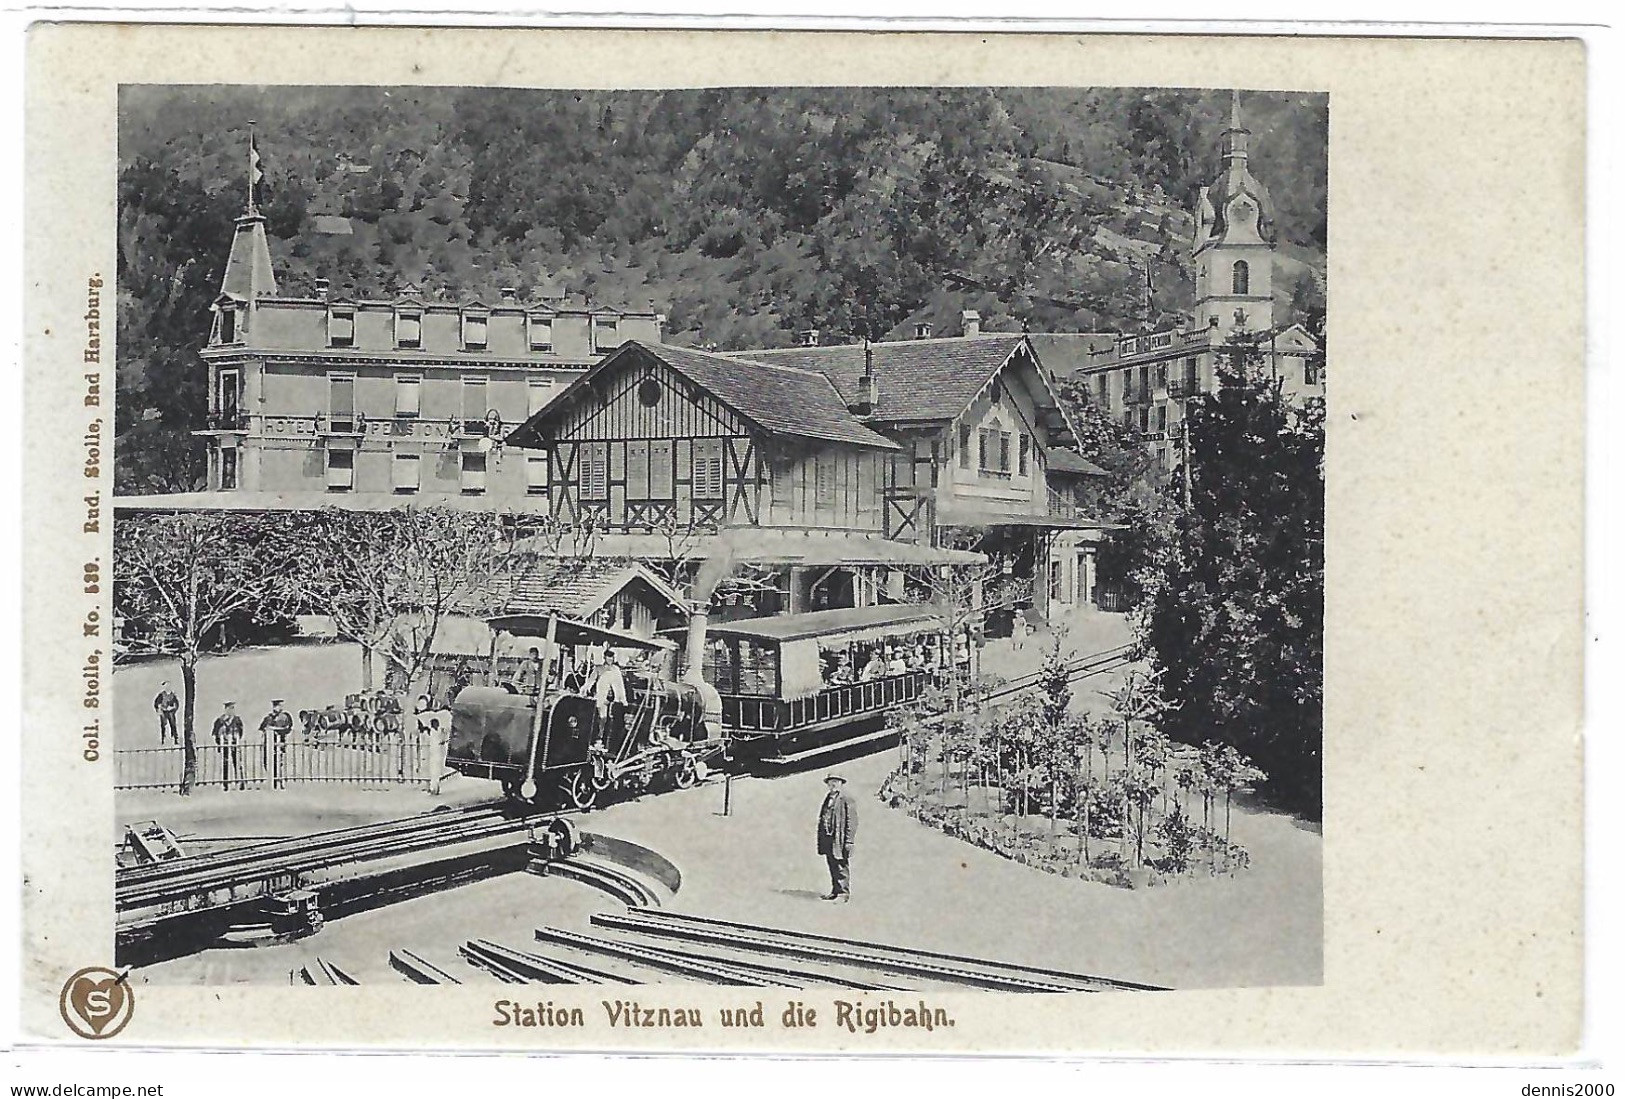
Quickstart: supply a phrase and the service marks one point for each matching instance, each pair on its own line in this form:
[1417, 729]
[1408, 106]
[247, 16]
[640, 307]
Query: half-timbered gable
[973, 418]
[658, 436]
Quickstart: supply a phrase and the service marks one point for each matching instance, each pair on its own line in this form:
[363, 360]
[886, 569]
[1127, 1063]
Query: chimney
[972, 320]
[809, 338]
[868, 392]
[322, 288]
[510, 295]
[922, 330]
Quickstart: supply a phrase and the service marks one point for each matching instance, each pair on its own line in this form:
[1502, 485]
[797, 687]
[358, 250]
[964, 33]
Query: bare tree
[965, 594]
[179, 577]
[388, 579]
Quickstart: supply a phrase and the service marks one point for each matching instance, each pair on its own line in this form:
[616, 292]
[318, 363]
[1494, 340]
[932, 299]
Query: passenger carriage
[795, 684]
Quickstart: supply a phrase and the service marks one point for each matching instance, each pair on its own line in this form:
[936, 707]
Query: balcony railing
[232, 419]
[354, 423]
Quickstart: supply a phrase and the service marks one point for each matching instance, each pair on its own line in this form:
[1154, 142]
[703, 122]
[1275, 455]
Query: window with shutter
[594, 459]
[341, 402]
[661, 485]
[708, 469]
[541, 332]
[784, 483]
[474, 405]
[637, 470]
[408, 395]
[409, 328]
[474, 331]
[825, 481]
[473, 473]
[407, 468]
[1004, 452]
[341, 327]
[340, 470]
[964, 446]
[536, 475]
[605, 333]
[1024, 444]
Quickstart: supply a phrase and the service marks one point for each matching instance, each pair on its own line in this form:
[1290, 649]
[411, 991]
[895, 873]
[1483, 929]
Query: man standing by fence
[228, 735]
[166, 705]
[275, 728]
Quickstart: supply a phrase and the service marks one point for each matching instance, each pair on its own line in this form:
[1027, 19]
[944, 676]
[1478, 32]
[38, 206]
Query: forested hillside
[744, 215]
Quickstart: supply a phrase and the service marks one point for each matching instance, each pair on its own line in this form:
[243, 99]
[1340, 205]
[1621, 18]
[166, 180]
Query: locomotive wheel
[600, 778]
[579, 788]
[685, 775]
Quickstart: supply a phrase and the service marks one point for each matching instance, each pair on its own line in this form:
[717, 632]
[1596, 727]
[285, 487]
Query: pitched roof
[781, 397]
[781, 400]
[1070, 461]
[248, 267]
[576, 586]
[917, 379]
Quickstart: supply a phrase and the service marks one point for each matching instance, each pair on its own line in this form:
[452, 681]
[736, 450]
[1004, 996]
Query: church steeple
[1233, 143]
[1234, 243]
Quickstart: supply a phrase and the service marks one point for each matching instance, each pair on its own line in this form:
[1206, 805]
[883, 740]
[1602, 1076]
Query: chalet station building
[834, 470]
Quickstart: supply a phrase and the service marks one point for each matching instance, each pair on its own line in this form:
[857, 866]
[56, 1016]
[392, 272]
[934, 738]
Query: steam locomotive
[764, 692]
[573, 741]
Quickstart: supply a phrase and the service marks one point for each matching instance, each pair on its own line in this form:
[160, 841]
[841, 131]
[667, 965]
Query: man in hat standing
[275, 728]
[166, 705]
[228, 736]
[837, 826]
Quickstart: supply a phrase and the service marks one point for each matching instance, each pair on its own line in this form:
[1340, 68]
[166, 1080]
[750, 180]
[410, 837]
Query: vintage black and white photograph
[852, 537]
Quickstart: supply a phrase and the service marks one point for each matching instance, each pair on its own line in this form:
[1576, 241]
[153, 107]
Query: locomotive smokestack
[694, 673]
[694, 650]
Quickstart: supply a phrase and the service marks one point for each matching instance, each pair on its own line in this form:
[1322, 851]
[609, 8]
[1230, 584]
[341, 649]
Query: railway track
[257, 854]
[184, 878]
[879, 959]
[647, 946]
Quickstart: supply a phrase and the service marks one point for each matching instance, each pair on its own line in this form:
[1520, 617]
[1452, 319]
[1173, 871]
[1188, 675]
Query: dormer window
[541, 332]
[409, 328]
[228, 325]
[341, 326]
[474, 331]
[605, 333]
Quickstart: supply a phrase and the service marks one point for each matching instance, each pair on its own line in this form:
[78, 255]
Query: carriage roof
[571, 631]
[837, 626]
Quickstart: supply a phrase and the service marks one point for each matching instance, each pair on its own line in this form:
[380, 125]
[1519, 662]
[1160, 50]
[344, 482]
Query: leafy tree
[182, 576]
[1234, 613]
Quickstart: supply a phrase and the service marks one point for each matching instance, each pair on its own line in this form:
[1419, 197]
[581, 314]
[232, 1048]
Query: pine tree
[1235, 610]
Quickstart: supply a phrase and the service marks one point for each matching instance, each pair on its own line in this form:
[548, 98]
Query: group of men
[227, 731]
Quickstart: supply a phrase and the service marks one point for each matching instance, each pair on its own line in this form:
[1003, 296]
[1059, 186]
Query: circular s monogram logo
[97, 1002]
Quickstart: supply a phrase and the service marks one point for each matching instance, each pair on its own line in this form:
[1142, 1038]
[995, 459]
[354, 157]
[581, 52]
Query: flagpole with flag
[254, 173]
